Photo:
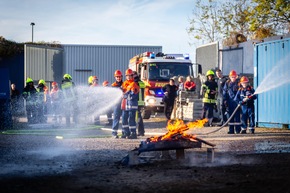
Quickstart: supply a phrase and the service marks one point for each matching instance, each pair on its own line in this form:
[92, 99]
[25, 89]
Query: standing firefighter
[110, 111]
[42, 91]
[221, 80]
[69, 99]
[141, 104]
[117, 111]
[30, 96]
[95, 81]
[209, 93]
[94, 85]
[229, 92]
[15, 100]
[170, 93]
[55, 98]
[90, 80]
[246, 98]
[129, 106]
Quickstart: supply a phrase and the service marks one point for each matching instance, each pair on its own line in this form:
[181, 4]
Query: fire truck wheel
[146, 114]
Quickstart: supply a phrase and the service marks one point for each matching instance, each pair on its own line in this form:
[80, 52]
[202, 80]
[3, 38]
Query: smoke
[278, 76]
[200, 159]
[41, 161]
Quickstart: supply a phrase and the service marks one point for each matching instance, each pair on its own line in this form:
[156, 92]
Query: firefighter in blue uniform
[129, 106]
[230, 90]
[246, 98]
[117, 111]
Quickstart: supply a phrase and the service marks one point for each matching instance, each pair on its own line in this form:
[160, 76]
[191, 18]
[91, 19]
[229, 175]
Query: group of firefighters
[36, 99]
[128, 107]
[228, 95]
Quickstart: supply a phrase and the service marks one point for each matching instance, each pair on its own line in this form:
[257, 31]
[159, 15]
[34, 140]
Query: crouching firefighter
[129, 106]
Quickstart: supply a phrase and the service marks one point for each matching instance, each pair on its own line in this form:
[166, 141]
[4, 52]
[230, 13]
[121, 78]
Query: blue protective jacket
[244, 93]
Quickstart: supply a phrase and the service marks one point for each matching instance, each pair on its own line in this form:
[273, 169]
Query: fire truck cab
[155, 70]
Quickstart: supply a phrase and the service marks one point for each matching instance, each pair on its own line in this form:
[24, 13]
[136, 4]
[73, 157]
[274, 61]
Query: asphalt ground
[84, 158]
[155, 126]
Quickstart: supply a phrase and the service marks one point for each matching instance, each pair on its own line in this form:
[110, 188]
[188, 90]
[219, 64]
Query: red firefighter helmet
[95, 78]
[105, 83]
[54, 84]
[244, 79]
[233, 73]
[118, 73]
[129, 72]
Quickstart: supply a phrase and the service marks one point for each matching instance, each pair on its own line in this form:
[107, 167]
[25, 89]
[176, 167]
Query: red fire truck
[155, 70]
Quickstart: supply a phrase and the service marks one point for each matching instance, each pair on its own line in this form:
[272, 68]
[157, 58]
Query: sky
[100, 22]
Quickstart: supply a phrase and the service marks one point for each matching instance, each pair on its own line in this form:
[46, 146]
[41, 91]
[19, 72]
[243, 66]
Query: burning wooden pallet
[174, 139]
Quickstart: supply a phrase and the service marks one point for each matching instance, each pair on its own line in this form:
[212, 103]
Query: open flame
[176, 130]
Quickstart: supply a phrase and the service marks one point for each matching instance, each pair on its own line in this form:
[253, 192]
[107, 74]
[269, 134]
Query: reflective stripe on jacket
[68, 91]
[131, 94]
[142, 86]
[207, 88]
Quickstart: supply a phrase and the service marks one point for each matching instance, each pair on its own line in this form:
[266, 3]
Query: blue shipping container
[272, 83]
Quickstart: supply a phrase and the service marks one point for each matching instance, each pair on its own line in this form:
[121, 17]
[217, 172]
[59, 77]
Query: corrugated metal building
[272, 66]
[82, 61]
[43, 62]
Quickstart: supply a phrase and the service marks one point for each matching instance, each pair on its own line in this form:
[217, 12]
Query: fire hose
[229, 119]
[216, 130]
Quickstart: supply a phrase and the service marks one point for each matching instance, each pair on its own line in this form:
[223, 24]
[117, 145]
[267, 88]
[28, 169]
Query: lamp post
[32, 24]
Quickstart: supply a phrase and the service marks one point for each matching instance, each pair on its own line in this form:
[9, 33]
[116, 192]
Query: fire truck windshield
[164, 71]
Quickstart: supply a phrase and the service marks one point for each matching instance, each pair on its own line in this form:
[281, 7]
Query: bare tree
[204, 25]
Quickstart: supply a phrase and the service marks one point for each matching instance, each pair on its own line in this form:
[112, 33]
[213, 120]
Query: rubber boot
[125, 133]
[133, 135]
[244, 131]
[252, 130]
